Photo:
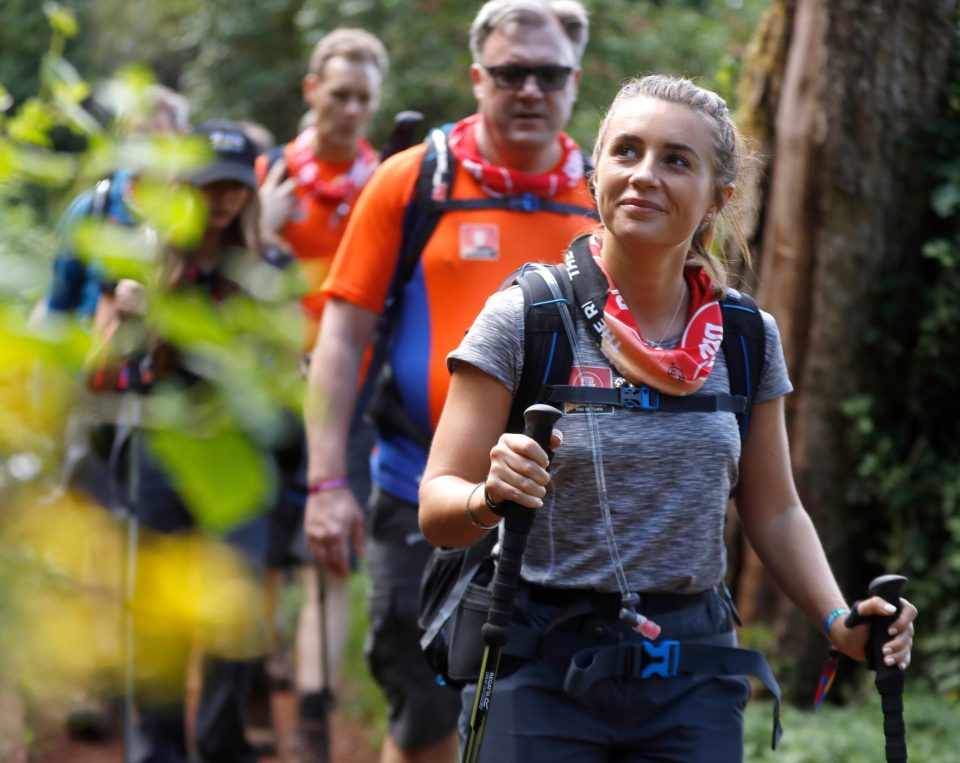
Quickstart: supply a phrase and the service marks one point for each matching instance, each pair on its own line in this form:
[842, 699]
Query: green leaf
[61, 71]
[63, 345]
[223, 477]
[943, 251]
[8, 159]
[62, 20]
[45, 167]
[946, 199]
[177, 213]
[122, 252]
[32, 123]
[189, 321]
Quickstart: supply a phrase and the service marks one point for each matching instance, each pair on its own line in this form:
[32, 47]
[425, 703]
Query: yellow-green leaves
[222, 475]
[62, 20]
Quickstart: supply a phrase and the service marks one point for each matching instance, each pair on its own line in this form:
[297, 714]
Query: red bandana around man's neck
[302, 165]
[503, 181]
[678, 371]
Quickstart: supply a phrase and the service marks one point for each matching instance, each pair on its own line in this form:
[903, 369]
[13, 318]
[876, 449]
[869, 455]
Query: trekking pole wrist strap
[474, 520]
[495, 507]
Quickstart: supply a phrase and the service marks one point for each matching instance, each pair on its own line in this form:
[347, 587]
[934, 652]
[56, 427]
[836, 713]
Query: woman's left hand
[853, 641]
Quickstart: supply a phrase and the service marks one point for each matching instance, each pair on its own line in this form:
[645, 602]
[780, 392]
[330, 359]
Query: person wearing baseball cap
[214, 268]
[234, 154]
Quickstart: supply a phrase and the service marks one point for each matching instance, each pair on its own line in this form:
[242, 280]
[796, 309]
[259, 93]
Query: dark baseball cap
[234, 154]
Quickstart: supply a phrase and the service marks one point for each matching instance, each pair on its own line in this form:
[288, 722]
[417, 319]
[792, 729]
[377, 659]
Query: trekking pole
[889, 680]
[518, 520]
[326, 692]
[132, 498]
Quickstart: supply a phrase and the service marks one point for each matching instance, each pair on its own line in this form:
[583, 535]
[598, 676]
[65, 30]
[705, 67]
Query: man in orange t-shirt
[525, 77]
[308, 190]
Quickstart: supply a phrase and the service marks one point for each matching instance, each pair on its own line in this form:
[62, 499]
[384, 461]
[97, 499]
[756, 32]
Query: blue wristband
[833, 616]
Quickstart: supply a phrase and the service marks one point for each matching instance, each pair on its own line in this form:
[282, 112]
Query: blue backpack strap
[526, 202]
[744, 347]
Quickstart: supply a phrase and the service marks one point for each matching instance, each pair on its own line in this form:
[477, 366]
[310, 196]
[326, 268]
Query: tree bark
[844, 205]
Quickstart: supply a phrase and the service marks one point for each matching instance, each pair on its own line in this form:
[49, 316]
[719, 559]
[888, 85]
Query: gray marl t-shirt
[668, 475]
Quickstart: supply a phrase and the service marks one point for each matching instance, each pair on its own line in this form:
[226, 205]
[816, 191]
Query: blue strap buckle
[661, 659]
[525, 203]
[643, 397]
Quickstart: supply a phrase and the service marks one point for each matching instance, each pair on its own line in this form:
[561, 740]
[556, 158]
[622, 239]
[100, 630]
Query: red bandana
[302, 165]
[503, 181]
[680, 371]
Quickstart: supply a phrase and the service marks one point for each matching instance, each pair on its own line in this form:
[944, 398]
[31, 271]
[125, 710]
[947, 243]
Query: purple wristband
[331, 484]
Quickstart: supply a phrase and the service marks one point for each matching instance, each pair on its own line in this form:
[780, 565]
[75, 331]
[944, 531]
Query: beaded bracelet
[329, 484]
[833, 616]
[473, 518]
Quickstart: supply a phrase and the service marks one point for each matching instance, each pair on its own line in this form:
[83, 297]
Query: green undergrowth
[364, 698]
[854, 733]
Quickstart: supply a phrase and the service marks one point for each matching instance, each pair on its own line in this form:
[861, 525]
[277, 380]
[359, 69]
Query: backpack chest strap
[644, 398]
[524, 203]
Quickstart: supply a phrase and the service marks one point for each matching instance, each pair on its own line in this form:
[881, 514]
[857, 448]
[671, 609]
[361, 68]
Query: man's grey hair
[531, 13]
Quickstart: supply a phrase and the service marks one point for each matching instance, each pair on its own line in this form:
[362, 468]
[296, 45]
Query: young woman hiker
[634, 502]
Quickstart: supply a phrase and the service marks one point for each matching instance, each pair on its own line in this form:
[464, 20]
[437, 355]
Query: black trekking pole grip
[888, 588]
[405, 124]
[889, 680]
[539, 420]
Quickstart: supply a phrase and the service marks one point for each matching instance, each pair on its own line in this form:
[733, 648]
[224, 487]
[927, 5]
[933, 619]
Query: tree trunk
[859, 83]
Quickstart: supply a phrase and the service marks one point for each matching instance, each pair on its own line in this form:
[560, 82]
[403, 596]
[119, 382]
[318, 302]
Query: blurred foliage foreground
[79, 583]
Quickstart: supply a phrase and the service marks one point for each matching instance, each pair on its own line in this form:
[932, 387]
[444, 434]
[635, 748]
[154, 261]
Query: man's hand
[333, 522]
[276, 200]
[130, 298]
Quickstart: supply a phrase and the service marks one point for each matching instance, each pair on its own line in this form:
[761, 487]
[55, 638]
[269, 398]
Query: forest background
[853, 108]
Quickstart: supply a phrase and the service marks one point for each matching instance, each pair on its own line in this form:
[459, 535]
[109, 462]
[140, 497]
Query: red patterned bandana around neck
[678, 371]
[302, 165]
[503, 181]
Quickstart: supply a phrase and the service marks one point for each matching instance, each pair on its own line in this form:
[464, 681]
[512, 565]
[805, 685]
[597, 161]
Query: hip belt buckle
[656, 659]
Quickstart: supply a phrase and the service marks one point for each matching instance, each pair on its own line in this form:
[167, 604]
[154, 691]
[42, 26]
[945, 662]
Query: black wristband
[496, 508]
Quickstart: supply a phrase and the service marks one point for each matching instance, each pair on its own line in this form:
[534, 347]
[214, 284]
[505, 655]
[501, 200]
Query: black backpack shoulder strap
[546, 376]
[744, 346]
[434, 184]
[433, 187]
[547, 357]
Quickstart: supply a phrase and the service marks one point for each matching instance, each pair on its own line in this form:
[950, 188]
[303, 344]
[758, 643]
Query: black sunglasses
[514, 76]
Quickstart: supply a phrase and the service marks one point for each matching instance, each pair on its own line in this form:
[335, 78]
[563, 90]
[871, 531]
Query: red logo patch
[479, 241]
[591, 376]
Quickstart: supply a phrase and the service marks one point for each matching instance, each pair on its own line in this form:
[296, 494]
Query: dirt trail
[351, 741]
